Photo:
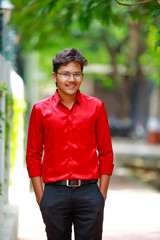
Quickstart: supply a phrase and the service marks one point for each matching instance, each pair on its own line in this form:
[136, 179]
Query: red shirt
[62, 143]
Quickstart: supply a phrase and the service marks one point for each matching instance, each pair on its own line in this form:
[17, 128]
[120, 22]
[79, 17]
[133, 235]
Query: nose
[71, 79]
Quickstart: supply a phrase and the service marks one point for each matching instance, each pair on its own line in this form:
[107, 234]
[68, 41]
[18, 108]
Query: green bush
[17, 126]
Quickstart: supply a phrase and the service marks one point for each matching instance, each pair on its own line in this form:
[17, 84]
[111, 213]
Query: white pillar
[4, 179]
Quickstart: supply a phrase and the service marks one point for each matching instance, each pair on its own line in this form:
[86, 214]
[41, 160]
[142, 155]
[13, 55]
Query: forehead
[71, 67]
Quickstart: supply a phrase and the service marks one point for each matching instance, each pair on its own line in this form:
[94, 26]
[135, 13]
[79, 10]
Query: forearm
[103, 185]
[38, 188]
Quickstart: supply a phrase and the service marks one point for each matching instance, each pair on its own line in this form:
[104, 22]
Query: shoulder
[39, 107]
[42, 102]
[92, 101]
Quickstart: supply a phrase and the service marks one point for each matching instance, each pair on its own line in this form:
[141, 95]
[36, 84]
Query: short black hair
[66, 56]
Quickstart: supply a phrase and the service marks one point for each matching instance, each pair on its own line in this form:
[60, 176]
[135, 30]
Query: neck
[65, 98]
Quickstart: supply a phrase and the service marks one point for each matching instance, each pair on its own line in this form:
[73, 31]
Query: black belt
[72, 182]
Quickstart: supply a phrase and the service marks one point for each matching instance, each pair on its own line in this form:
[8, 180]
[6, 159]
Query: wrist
[39, 200]
[104, 194]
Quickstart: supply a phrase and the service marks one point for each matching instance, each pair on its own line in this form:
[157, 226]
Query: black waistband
[72, 182]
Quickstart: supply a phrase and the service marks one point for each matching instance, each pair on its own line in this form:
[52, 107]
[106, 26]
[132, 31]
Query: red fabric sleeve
[35, 143]
[104, 142]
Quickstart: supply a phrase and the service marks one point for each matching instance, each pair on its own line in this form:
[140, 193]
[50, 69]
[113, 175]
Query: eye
[66, 74]
[77, 74]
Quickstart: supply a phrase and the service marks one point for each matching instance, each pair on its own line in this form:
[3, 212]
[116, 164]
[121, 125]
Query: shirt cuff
[34, 172]
[106, 168]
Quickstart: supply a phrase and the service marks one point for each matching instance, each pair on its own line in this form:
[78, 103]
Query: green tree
[40, 21]
[116, 25]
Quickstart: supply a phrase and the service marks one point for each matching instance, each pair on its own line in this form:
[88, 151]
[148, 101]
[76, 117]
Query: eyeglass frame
[69, 75]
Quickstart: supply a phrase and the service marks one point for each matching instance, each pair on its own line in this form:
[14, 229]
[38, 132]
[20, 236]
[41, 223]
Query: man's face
[68, 78]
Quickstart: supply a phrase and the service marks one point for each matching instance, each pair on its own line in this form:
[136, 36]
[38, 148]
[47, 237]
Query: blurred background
[121, 40]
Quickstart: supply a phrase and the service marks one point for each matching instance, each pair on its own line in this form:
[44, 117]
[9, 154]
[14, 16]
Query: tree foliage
[120, 27]
[41, 21]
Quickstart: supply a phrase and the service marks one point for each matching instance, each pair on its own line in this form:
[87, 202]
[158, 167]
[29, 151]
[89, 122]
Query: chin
[72, 90]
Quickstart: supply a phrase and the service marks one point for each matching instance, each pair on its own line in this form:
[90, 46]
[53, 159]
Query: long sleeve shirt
[68, 143]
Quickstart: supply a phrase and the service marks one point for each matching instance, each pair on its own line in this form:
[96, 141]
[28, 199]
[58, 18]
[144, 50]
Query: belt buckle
[73, 185]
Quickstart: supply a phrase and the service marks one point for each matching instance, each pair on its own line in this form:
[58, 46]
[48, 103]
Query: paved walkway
[132, 212]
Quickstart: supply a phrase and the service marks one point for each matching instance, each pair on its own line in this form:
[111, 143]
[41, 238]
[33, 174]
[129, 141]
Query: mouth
[71, 86]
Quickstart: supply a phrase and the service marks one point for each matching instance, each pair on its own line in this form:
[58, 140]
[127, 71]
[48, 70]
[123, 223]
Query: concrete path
[132, 212]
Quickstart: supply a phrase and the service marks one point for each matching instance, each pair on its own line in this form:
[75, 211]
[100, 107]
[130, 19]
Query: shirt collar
[56, 96]
[78, 97]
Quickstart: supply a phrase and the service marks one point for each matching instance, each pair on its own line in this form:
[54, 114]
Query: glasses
[66, 76]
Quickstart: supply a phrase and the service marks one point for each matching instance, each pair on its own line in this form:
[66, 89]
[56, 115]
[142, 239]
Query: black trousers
[83, 206]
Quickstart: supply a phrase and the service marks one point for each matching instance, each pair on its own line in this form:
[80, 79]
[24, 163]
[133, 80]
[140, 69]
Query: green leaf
[3, 86]
[1, 189]
[157, 44]
[155, 13]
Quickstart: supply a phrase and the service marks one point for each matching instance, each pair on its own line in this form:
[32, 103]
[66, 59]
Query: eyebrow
[70, 72]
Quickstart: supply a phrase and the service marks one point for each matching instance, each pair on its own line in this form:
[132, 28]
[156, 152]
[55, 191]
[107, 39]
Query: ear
[82, 75]
[54, 77]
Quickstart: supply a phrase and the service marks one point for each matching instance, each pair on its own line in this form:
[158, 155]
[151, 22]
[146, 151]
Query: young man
[68, 128]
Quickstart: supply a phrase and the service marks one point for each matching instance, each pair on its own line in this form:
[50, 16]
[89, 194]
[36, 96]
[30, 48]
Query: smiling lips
[71, 86]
